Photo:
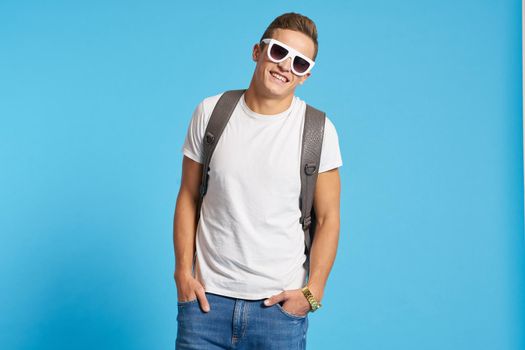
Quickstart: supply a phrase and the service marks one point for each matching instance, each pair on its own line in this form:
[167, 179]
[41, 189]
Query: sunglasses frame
[291, 53]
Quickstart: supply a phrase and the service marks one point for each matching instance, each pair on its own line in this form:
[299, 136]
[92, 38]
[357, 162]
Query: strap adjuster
[210, 138]
[306, 221]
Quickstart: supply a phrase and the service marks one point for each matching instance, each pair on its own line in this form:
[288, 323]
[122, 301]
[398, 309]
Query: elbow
[329, 222]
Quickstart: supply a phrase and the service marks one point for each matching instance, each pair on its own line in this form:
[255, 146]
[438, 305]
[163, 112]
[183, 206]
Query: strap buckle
[309, 169]
[202, 190]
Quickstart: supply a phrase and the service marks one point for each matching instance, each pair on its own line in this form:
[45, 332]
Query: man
[249, 243]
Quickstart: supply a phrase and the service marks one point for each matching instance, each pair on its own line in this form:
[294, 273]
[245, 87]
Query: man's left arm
[324, 246]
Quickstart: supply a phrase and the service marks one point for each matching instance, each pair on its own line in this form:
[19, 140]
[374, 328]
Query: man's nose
[286, 64]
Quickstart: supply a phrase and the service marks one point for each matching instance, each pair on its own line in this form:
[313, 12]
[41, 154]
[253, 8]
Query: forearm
[184, 230]
[322, 255]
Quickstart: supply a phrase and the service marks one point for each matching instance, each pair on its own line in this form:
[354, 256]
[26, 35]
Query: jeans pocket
[183, 303]
[290, 315]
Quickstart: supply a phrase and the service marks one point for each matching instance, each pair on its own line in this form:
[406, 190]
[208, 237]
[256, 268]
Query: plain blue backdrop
[95, 100]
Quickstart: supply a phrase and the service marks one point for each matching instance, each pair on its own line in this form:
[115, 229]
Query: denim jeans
[234, 323]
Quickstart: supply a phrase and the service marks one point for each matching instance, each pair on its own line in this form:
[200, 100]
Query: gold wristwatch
[314, 304]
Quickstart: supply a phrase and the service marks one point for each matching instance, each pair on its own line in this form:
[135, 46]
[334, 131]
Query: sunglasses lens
[277, 52]
[300, 65]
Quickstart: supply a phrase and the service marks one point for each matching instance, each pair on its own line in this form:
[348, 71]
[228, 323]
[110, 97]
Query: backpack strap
[310, 158]
[218, 120]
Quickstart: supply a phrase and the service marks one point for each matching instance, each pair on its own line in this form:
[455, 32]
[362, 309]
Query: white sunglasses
[278, 52]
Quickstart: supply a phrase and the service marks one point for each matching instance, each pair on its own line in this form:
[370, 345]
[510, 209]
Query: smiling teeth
[280, 77]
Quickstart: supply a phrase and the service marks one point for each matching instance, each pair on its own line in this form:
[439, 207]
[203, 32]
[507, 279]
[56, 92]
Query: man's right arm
[184, 232]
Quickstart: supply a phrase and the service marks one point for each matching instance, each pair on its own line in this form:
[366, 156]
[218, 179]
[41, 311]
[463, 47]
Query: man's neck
[266, 105]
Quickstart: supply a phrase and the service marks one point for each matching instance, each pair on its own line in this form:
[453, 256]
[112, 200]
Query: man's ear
[255, 53]
[305, 77]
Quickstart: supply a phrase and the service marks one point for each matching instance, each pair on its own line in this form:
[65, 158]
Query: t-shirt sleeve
[192, 146]
[330, 152]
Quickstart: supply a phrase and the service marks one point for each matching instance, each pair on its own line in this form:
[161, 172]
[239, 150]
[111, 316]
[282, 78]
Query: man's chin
[278, 91]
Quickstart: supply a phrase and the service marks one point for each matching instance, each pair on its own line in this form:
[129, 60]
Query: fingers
[276, 298]
[193, 287]
[203, 301]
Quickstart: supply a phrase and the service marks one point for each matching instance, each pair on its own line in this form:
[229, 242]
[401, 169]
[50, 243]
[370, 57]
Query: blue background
[95, 100]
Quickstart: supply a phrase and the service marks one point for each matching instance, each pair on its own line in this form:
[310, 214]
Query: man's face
[265, 82]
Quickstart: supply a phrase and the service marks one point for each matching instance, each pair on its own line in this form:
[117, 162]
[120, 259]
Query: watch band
[314, 304]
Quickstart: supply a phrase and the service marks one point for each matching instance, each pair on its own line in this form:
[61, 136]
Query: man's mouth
[280, 78]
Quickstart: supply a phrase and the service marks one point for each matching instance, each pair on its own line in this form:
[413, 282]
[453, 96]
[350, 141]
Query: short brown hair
[293, 21]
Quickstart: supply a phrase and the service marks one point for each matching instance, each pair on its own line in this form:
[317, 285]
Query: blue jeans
[234, 323]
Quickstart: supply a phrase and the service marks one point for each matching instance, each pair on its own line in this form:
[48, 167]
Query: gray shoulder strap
[218, 120]
[310, 158]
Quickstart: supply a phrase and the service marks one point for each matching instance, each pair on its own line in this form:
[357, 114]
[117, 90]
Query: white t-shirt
[249, 241]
